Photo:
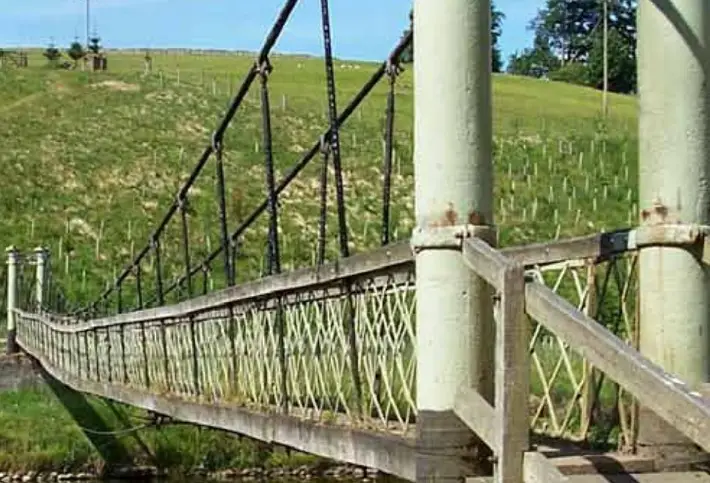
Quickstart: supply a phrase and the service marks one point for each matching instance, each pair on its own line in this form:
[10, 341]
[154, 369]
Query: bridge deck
[320, 360]
[387, 452]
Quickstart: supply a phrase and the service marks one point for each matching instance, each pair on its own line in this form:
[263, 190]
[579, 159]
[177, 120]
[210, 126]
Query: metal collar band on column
[671, 235]
[451, 237]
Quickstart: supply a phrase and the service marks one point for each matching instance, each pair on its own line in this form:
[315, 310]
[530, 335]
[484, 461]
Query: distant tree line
[497, 18]
[75, 52]
[568, 44]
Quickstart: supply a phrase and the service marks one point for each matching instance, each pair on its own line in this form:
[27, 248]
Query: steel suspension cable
[392, 72]
[237, 101]
[333, 135]
[296, 169]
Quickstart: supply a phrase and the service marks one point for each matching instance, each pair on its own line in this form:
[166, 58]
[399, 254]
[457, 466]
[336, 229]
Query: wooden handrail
[666, 395]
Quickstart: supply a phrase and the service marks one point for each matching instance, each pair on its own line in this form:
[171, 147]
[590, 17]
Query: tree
[52, 54]
[95, 45]
[571, 73]
[567, 25]
[569, 38]
[497, 18]
[622, 63]
[571, 26]
[76, 52]
[537, 61]
[407, 56]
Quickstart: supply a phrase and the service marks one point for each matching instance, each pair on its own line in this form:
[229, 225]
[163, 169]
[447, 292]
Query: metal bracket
[450, 237]
[671, 235]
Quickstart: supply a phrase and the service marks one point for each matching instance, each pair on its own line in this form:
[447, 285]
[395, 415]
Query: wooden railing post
[512, 378]
[12, 262]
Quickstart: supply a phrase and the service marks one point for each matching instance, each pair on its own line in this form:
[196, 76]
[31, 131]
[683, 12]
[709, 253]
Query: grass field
[92, 161]
[95, 159]
[58, 444]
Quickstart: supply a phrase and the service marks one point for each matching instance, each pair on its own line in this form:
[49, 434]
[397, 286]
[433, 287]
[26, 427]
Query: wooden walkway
[323, 360]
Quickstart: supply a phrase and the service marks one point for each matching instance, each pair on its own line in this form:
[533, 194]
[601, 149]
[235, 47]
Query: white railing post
[41, 275]
[453, 188]
[12, 263]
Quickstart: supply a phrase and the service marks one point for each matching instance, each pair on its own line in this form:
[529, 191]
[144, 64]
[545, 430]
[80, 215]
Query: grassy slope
[86, 160]
[89, 161]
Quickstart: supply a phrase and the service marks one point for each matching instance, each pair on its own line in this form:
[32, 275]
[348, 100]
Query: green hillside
[92, 161]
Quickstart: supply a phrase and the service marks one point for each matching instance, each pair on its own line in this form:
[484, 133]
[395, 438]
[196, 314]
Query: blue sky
[363, 29]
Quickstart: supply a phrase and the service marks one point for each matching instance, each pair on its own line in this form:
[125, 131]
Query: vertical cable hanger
[393, 70]
[333, 137]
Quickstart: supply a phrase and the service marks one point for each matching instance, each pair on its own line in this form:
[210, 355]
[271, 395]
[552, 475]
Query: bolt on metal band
[264, 68]
[324, 143]
[450, 237]
[393, 68]
[216, 143]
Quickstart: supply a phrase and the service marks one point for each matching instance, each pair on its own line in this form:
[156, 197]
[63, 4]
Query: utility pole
[605, 94]
[674, 135]
[88, 22]
[453, 189]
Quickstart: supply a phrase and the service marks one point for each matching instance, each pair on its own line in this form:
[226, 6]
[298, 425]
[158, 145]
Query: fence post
[453, 187]
[674, 135]
[12, 262]
[512, 378]
[41, 276]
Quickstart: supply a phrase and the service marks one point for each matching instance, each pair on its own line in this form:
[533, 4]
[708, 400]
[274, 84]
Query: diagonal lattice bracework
[336, 343]
[267, 346]
[569, 398]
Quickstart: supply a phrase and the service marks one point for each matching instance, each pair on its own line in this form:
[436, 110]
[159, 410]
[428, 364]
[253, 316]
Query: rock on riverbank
[344, 472]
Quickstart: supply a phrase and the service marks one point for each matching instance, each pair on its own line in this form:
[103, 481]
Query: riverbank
[305, 472]
[41, 441]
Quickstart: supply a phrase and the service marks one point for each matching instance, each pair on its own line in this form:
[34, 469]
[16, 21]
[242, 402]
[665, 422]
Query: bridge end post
[453, 188]
[41, 257]
[674, 182]
[12, 262]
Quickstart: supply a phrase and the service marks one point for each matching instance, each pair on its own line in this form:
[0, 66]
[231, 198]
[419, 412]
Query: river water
[197, 479]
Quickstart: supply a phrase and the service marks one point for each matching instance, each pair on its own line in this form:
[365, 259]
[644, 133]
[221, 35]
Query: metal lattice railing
[337, 344]
[340, 351]
[569, 398]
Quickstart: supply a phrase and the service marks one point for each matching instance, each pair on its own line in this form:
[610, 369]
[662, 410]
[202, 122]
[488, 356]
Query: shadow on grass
[94, 427]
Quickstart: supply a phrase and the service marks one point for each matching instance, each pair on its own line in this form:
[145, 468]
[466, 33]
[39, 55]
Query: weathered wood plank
[477, 414]
[394, 257]
[538, 469]
[599, 245]
[389, 259]
[661, 392]
[689, 477]
[485, 261]
[512, 378]
[605, 463]
[590, 469]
